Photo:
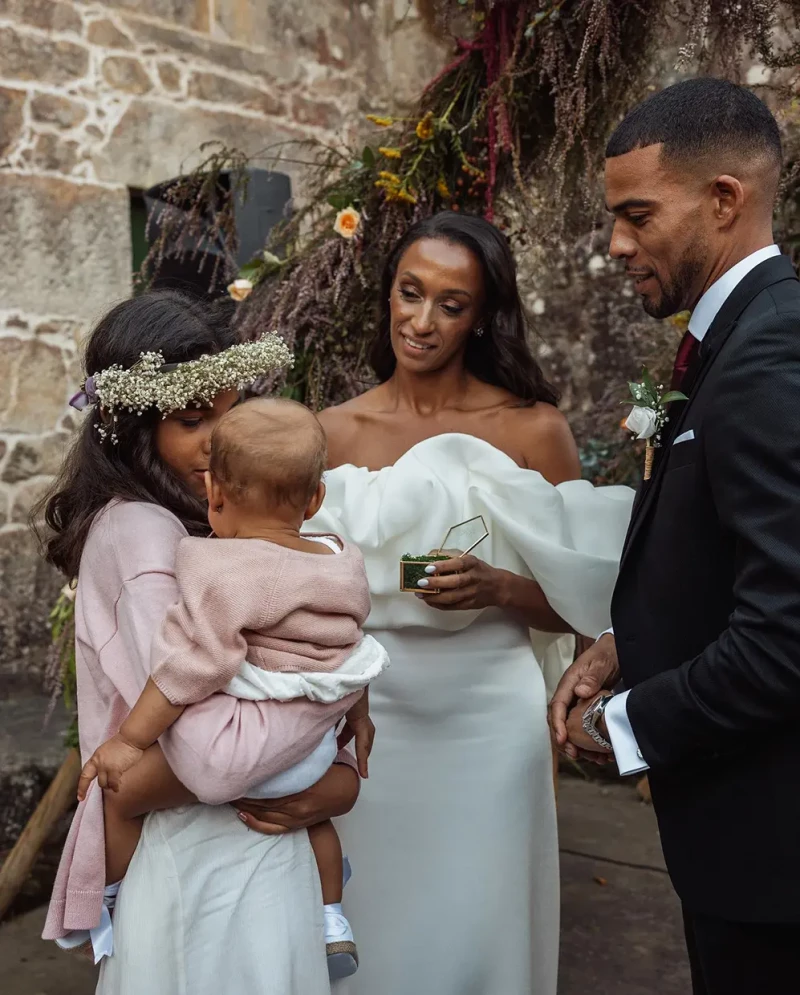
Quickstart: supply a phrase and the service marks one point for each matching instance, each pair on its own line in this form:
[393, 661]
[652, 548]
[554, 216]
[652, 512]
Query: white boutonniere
[649, 414]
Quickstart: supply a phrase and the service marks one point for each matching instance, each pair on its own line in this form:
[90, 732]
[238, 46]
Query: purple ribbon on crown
[86, 396]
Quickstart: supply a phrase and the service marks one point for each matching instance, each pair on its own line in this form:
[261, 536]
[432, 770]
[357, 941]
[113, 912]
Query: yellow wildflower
[425, 127]
[347, 222]
[442, 188]
[389, 152]
[391, 177]
[382, 122]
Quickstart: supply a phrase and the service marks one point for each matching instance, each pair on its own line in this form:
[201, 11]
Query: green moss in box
[412, 569]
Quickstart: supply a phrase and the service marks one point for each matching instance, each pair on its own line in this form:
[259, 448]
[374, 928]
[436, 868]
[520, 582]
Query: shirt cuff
[606, 632]
[626, 749]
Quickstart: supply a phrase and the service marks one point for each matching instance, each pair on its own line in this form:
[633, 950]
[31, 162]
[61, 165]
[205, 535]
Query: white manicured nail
[423, 583]
[430, 570]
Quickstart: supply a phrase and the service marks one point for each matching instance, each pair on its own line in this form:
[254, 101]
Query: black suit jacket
[706, 613]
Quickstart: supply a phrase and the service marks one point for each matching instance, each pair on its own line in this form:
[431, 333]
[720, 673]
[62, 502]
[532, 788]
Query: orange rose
[347, 222]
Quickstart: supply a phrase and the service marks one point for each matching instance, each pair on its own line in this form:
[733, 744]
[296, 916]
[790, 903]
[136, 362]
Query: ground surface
[620, 920]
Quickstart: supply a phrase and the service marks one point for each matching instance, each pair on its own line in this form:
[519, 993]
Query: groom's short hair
[698, 119]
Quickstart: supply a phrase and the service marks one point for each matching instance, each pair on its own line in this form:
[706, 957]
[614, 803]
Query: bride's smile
[435, 304]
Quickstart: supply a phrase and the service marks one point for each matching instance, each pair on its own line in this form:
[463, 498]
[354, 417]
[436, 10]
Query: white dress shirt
[626, 750]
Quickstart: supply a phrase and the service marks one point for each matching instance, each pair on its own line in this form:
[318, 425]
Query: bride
[454, 846]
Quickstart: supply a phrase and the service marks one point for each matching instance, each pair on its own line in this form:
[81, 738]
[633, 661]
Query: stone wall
[97, 98]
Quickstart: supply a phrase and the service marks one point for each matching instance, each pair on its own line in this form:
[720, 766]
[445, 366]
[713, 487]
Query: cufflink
[639, 754]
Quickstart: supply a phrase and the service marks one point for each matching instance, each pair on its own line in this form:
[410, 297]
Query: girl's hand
[465, 582]
[334, 794]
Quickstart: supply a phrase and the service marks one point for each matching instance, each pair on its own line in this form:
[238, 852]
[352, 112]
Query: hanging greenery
[60, 677]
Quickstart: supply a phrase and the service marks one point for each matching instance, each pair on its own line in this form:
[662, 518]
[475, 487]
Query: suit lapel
[766, 274]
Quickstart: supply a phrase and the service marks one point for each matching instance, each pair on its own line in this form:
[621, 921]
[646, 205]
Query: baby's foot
[339, 944]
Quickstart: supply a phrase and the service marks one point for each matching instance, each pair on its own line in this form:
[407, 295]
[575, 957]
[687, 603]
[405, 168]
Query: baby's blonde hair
[269, 451]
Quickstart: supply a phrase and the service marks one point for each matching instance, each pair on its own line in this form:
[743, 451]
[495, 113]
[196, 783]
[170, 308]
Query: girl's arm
[222, 746]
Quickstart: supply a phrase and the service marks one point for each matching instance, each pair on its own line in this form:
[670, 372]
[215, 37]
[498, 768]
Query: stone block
[49, 15]
[26, 365]
[106, 34]
[126, 74]
[82, 230]
[338, 32]
[28, 589]
[35, 456]
[415, 58]
[169, 75]
[27, 497]
[317, 113]
[220, 89]
[160, 38]
[154, 141]
[185, 13]
[11, 120]
[53, 154]
[60, 111]
[25, 57]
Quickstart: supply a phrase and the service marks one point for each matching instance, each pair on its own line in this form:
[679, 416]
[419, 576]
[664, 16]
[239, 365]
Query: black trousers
[740, 958]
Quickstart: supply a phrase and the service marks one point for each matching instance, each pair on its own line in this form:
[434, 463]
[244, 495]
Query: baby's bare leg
[328, 852]
[122, 837]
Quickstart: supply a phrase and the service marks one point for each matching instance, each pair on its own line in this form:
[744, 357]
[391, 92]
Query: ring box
[412, 568]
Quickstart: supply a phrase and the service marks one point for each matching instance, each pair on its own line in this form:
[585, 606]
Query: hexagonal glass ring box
[460, 540]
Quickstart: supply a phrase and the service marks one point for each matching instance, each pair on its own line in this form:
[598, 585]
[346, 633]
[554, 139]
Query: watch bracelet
[591, 716]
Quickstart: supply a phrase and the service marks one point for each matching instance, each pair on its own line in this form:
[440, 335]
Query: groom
[706, 611]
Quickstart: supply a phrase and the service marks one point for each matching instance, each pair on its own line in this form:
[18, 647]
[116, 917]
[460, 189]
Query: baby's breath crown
[149, 383]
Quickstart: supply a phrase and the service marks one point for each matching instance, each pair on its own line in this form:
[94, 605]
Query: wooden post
[57, 799]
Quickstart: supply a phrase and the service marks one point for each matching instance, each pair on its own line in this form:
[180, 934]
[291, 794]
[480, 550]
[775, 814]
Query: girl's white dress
[453, 842]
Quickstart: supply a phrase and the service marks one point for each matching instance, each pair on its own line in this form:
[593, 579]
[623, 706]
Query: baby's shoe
[339, 944]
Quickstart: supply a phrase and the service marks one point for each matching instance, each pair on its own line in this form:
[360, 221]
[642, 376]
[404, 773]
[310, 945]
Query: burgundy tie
[687, 350]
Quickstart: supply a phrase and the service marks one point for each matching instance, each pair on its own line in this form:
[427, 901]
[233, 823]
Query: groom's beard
[676, 293]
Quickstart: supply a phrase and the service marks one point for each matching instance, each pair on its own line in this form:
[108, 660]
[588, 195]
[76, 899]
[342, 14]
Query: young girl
[205, 905]
[260, 591]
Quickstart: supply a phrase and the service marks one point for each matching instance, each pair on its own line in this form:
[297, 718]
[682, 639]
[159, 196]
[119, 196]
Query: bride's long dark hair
[501, 356]
[95, 471]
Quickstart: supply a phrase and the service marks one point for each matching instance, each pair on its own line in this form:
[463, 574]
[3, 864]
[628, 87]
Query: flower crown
[151, 383]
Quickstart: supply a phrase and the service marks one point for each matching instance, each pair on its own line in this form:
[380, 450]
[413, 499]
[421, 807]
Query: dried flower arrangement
[521, 113]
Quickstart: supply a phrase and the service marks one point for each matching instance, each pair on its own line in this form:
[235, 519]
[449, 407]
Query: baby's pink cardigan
[282, 609]
[218, 748]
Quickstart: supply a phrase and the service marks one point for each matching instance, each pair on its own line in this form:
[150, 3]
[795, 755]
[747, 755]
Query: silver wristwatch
[592, 716]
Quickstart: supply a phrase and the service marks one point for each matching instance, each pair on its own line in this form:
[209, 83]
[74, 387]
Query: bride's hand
[463, 583]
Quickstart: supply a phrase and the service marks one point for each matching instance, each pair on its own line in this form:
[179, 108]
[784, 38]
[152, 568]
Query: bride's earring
[479, 331]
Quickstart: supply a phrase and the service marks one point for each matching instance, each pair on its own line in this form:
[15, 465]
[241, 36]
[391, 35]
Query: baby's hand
[359, 726]
[108, 763]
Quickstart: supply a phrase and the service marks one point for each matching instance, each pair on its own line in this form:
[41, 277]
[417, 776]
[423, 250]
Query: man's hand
[595, 670]
[578, 738]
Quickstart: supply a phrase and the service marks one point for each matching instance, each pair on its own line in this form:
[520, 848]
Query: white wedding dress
[453, 842]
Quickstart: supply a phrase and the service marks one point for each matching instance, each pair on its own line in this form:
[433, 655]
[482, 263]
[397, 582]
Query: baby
[291, 605]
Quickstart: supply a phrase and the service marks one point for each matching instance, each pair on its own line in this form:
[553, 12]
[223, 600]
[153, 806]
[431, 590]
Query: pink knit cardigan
[281, 609]
[218, 748]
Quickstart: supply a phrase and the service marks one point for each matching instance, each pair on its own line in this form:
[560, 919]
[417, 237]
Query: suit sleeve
[747, 682]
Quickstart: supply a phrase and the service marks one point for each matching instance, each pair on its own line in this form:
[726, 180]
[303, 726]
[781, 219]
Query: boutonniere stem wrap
[649, 415]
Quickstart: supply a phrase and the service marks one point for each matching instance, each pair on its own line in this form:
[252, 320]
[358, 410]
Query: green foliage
[63, 676]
